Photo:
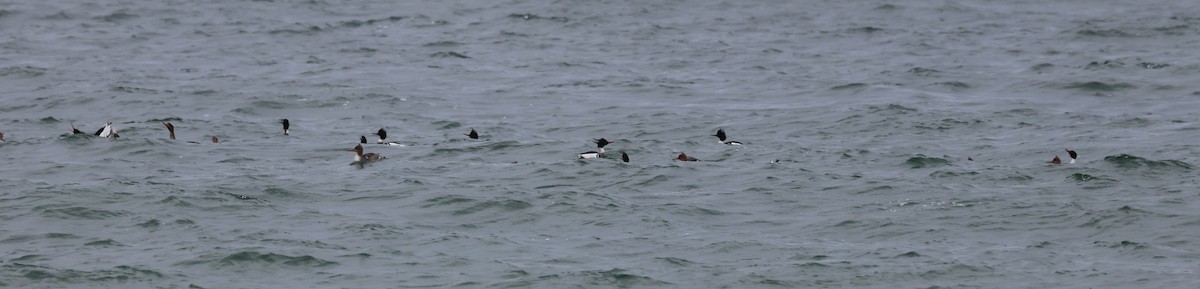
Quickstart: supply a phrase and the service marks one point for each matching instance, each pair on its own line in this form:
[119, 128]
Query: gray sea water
[872, 109]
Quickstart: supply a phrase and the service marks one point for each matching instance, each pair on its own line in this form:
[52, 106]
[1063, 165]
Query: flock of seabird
[361, 157]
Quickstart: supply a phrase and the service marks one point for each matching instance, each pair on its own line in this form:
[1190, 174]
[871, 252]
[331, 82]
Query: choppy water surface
[871, 108]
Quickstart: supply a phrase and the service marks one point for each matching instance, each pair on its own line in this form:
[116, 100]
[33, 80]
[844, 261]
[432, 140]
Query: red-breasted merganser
[286, 124]
[383, 138]
[107, 131]
[686, 158]
[721, 136]
[624, 157]
[170, 128]
[359, 156]
[472, 134]
[1073, 155]
[600, 143]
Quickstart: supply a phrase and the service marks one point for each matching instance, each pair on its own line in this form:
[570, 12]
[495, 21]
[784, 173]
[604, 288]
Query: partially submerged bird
[107, 131]
[75, 130]
[383, 138]
[721, 138]
[1055, 161]
[170, 128]
[362, 139]
[472, 134]
[360, 157]
[286, 125]
[1, 136]
[685, 157]
[624, 157]
[600, 144]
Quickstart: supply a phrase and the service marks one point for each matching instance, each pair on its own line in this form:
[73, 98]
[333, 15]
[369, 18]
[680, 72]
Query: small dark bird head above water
[1, 136]
[624, 157]
[362, 139]
[472, 134]
[382, 135]
[215, 140]
[720, 134]
[1073, 155]
[170, 128]
[600, 143]
[74, 130]
[685, 157]
[721, 138]
[1055, 161]
[383, 138]
[286, 125]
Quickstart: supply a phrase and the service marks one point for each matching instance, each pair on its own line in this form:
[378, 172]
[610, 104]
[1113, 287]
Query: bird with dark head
[170, 129]
[684, 157]
[286, 125]
[383, 138]
[472, 134]
[597, 154]
[721, 138]
[74, 130]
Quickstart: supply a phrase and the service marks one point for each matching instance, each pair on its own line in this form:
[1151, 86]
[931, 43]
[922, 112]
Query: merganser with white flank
[600, 143]
[286, 125]
[360, 157]
[107, 131]
[170, 128]
[1073, 155]
[624, 157]
[383, 138]
[721, 136]
[472, 134]
[684, 157]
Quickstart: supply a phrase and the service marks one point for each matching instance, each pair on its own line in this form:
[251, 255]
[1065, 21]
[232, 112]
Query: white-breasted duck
[383, 138]
[107, 131]
[599, 154]
[721, 138]
[1073, 155]
[286, 124]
